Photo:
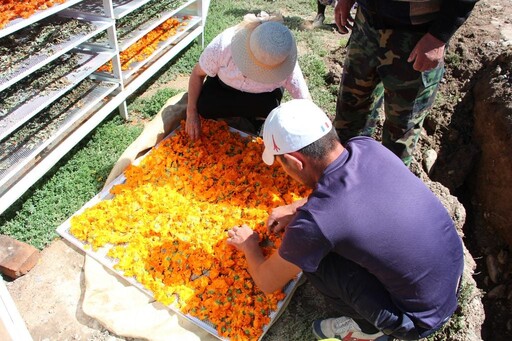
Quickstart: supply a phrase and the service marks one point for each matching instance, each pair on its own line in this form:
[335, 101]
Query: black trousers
[218, 100]
[357, 294]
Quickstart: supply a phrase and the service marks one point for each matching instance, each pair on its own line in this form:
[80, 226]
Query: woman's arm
[296, 84]
[195, 84]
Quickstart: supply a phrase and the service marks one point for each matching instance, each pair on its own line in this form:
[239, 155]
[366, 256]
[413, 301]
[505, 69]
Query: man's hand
[281, 216]
[243, 238]
[342, 16]
[427, 54]
[269, 273]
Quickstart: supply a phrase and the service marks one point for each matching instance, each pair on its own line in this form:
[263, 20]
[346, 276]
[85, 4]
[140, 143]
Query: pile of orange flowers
[147, 45]
[14, 9]
[167, 226]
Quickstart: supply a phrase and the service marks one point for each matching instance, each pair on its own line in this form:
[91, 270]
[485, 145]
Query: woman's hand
[193, 125]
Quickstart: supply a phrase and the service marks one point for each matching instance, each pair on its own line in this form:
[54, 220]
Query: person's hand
[280, 217]
[243, 238]
[193, 125]
[427, 54]
[342, 16]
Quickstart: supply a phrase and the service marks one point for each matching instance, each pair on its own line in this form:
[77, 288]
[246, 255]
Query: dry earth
[49, 297]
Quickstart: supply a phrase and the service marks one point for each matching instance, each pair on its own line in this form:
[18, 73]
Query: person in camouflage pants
[380, 67]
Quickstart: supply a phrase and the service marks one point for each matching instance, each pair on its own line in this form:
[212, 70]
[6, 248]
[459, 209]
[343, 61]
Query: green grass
[149, 107]
[76, 179]
[80, 174]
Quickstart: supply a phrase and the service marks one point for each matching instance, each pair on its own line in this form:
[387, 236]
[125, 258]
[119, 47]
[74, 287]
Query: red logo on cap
[276, 148]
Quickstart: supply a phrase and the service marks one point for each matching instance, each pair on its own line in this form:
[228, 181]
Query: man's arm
[429, 51]
[453, 14]
[269, 274]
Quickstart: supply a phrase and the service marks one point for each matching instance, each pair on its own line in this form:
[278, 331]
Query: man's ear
[294, 160]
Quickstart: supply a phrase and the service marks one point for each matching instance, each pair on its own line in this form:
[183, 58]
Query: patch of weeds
[149, 107]
[453, 59]
[313, 68]
[325, 100]
[313, 41]
[439, 100]
[315, 72]
[343, 41]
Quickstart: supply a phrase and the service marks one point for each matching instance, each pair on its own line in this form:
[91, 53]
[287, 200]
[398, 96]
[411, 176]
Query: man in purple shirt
[371, 237]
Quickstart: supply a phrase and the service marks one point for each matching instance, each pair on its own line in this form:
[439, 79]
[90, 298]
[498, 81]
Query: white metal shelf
[139, 32]
[22, 158]
[89, 62]
[181, 32]
[122, 10]
[12, 326]
[101, 101]
[18, 24]
[157, 62]
[12, 192]
[44, 57]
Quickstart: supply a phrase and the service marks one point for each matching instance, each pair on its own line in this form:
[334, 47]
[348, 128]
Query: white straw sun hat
[292, 126]
[264, 51]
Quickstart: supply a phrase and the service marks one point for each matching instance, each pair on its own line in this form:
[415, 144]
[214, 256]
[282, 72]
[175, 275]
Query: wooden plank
[12, 326]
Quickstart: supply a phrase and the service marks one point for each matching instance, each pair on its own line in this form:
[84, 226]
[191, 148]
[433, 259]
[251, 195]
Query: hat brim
[268, 156]
[242, 59]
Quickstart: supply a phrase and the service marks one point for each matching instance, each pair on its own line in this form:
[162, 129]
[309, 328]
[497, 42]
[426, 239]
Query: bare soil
[52, 309]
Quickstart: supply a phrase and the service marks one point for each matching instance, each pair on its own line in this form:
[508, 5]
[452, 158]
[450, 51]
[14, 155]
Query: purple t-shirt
[369, 208]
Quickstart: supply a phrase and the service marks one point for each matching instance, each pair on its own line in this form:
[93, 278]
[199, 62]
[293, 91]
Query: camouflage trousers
[375, 71]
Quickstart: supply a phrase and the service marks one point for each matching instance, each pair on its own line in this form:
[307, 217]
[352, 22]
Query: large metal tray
[101, 256]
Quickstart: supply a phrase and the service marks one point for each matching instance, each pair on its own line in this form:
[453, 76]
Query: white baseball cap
[292, 126]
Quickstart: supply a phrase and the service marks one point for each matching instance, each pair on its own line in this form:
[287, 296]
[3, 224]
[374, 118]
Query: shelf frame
[26, 176]
[76, 116]
[18, 24]
[26, 111]
[37, 61]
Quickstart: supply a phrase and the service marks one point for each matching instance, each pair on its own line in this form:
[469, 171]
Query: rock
[429, 158]
[16, 258]
[497, 292]
[492, 268]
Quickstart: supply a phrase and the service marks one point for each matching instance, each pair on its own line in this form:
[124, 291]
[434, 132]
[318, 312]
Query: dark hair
[322, 146]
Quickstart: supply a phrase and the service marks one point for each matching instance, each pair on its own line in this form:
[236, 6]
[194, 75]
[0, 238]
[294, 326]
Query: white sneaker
[345, 329]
